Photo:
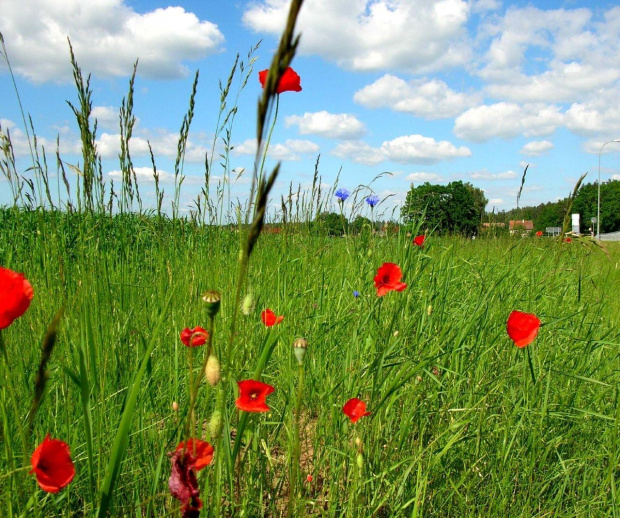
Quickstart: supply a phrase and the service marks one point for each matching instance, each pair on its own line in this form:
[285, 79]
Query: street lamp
[598, 211]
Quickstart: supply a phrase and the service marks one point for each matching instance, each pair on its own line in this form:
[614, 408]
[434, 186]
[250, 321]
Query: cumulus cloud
[331, 125]
[421, 177]
[359, 152]
[163, 143]
[507, 120]
[106, 116]
[597, 116]
[431, 99]
[409, 149]
[561, 55]
[536, 148]
[146, 174]
[564, 82]
[419, 149]
[289, 151]
[486, 175]
[107, 37]
[366, 35]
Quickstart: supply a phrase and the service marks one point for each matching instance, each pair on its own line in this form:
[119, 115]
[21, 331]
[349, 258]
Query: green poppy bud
[360, 460]
[212, 301]
[215, 424]
[299, 348]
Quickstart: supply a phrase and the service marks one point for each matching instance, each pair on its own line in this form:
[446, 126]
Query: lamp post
[598, 211]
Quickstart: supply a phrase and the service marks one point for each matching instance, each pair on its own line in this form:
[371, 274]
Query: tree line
[460, 208]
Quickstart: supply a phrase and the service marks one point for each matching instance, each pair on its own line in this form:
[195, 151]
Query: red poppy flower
[419, 240]
[201, 452]
[539, 233]
[183, 484]
[568, 240]
[15, 296]
[199, 334]
[388, 279]
[522, 328]
[355, 409]
[270, 319]
[52, 465]
[252, 395]
[289, 82]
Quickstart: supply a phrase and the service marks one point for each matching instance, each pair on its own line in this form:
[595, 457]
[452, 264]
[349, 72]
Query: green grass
[457, 428]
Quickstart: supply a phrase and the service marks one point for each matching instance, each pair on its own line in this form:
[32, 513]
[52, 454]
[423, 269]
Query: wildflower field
[159, 365]
[458, 424]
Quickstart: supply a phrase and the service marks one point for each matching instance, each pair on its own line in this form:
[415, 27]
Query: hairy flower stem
[294, 472]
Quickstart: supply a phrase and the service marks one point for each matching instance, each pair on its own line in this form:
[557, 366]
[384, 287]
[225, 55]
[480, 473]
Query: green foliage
[456, 208]
[586, 204]
[360, 225]
[330, 224]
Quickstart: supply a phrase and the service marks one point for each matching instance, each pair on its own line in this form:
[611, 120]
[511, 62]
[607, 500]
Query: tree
[452, 208]
[586, 205]
[480, 200]
[360, 224]
[330, 223]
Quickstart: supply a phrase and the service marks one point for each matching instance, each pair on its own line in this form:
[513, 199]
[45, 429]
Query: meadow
[458, 427]
[367, 398]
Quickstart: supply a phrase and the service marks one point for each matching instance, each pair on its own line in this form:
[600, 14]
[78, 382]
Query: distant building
[493, 225]
[522, 226]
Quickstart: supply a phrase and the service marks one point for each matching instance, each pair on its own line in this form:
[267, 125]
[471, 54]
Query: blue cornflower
[372, 200]
[342, 194]
[356, 293]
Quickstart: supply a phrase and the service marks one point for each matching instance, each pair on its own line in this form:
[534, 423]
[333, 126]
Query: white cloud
[597, 116]
[563, 82]
[536, 148]
[431, 99]
[522, 29]
[412, 35]
[107, 117]
[107, 37]
[410, 149]
[479, 6]
[163, 143]
[507, 120]
[419, 149]
[486, 175]
[290, 150]
[538, 55]
[146, 174]
[359, 152]
[602, 146]
[421, 177]
[331, 125]
[302, 146]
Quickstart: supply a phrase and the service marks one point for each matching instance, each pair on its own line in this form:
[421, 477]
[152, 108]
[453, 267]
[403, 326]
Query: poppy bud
[212, 371]
[360, 460]
[429, 310]
[215, 424]
[212, 302]
[175, 406]
[247, 305]
[299, 348]
[358, 443]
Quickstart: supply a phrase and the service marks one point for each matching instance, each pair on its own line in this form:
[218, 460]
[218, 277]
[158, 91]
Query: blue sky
[426, 90]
